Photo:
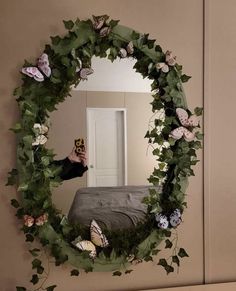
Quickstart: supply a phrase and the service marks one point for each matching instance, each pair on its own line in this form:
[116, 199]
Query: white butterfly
[175, 218]
[97, 239]
[40, 130]
[34, 72]
[40, 140]
[186, 121]
[86, 245]
[162, 221]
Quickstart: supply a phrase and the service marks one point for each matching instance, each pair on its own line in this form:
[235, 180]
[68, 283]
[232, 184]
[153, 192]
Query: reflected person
[75, 165]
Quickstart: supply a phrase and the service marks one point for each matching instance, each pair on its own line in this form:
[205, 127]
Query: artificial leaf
[51, 288]
[40, 270]
[199, 135]
[12, 177]
[167, 233]
[74, 272]
[148, 258]
[175, 260]
[17, 128]
[162, 262]
[68, 24]
[185, 78]
[23, 187]
[34, 279]
[198, 111]
[29, 237]
[155, 252]
[15, 203]
[128, 271]
[34, 252]
[169, 269]
[117, 273]
[182, 253]
[168, 244]
[55, 40]
[36, 263]
[88, 269]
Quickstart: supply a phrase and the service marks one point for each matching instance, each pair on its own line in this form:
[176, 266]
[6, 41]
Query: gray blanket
[111, 207]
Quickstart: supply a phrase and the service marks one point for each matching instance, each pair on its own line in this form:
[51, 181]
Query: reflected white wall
[116, 77]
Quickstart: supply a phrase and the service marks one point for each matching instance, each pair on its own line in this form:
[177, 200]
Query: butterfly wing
[43, 64]
[183, 116]
[193, 121]
[97, 237]
[86, 245]
[177, 133]
[188, 135]
[33, 72]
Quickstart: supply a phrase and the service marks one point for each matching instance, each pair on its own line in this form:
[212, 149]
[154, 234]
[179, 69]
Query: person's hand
[80, 158]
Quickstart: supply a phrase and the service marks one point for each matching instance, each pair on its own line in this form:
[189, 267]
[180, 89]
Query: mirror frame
[36, 175]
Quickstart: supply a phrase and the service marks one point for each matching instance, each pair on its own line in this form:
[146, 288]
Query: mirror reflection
[110, 112]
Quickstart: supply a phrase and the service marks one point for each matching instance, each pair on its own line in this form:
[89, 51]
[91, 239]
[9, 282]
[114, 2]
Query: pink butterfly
[185, 121]
[34, 72]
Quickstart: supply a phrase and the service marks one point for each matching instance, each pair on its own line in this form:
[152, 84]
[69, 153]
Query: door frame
[124, 111]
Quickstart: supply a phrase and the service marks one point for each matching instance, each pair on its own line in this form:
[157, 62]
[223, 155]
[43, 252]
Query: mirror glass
[111, 111]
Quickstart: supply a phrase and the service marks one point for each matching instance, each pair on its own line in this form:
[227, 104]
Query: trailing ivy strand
[173, 135]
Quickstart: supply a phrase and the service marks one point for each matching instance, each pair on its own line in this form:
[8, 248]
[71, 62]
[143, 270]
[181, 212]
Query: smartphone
[79, 145]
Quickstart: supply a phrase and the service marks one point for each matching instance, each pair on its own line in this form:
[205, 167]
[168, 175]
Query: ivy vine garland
[173, 134]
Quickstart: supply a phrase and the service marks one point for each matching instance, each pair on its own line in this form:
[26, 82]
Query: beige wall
[220, 103]
[177, 25]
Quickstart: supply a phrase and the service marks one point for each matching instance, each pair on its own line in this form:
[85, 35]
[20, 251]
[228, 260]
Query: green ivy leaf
[29, 237]
[182, 253]
[113, 23]
[117, 273]
[128, 271]
[40, 270]
[199, 135]
[12, 177]
[74, 272]
[23, 187]
[198, 111]
[148, 259]
[16, 128]
[185, 78]
[88, 269]
[169, 269]
[15, 203]
[68, 24]
[34, 252]
[55, 39]
[17, 91]
[162, 262]
[51, 288]
[36, 263]
[169, 244]
[175, 260]
[155, 252]
[167, 233]
[34, 279]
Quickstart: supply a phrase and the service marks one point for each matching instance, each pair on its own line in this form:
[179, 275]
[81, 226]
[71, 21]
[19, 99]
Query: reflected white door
[106, 147]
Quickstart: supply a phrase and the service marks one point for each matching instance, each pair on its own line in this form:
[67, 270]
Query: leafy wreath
[172, 134]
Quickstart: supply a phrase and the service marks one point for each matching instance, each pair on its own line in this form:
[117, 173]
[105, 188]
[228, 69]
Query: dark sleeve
[70, 170]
